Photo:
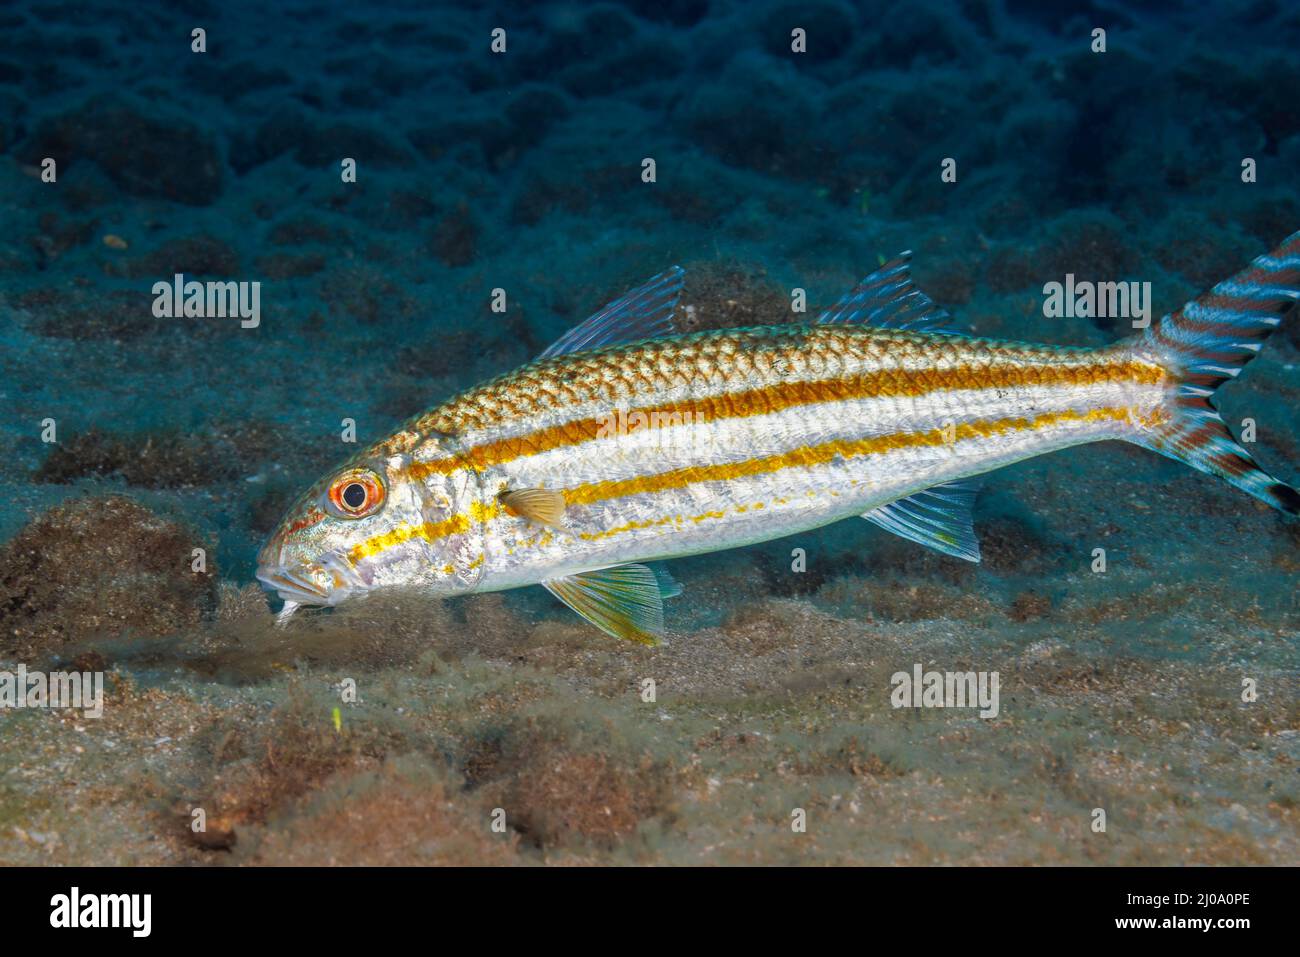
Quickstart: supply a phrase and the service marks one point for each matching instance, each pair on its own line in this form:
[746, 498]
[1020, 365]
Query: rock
[79, 314]
[455, 238]
[98, 567]
[194, 256]
[561, 787]
[828, 27]
[289, 265]
[317, 145]
[167, 458]
[145, 156]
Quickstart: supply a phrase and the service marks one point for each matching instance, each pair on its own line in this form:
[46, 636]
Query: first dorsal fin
[643, 313]
[888, 299]
[939, 518]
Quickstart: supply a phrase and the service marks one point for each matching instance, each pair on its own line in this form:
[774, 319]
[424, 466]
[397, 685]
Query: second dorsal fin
[643, 313]
[888, 299]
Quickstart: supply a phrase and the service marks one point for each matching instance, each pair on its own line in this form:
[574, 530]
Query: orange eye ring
[357, 493]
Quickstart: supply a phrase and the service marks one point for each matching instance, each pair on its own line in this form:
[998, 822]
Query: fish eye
[357, 493]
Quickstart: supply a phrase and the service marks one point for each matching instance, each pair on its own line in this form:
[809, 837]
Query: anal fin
[938, 518]
[625, 601]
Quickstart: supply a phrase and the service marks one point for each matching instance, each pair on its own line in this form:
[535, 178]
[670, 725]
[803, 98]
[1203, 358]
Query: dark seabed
[1122, 691]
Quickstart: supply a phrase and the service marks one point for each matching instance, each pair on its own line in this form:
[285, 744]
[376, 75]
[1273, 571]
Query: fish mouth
[303, 585]
[292, 587]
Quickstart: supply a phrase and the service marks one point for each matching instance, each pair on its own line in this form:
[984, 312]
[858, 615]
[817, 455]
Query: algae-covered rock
[561, 784]
[165, 458]
[144, 155]
[98, 566]
[404, 814]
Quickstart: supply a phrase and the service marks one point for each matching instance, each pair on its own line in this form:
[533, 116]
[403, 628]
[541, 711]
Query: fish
[627, 443]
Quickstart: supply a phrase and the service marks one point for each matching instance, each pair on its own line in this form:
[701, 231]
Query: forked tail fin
[1204, 344]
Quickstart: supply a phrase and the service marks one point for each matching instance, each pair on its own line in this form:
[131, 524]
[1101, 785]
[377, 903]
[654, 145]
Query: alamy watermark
[1098, 300]
[946, 689]
[668, 427]
[58, 689]
[133, 912]
[208, 300]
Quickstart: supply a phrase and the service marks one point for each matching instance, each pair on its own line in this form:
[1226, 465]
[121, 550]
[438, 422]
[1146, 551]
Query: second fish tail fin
[1205, 343]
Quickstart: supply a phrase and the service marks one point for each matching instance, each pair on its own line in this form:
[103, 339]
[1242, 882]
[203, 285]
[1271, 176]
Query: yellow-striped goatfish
[626, 443]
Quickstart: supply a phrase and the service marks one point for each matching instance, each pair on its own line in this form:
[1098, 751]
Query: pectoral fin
[542, 505]
[625, 601]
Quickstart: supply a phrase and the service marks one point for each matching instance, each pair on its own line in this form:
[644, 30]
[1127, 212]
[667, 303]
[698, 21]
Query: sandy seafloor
[1120, 691]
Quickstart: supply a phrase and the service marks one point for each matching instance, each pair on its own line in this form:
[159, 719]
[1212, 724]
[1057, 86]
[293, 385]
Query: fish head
[384, 519]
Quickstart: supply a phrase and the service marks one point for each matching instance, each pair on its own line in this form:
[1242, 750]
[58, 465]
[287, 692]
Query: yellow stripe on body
[893, 383]
[810, 455]
[803, 456]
